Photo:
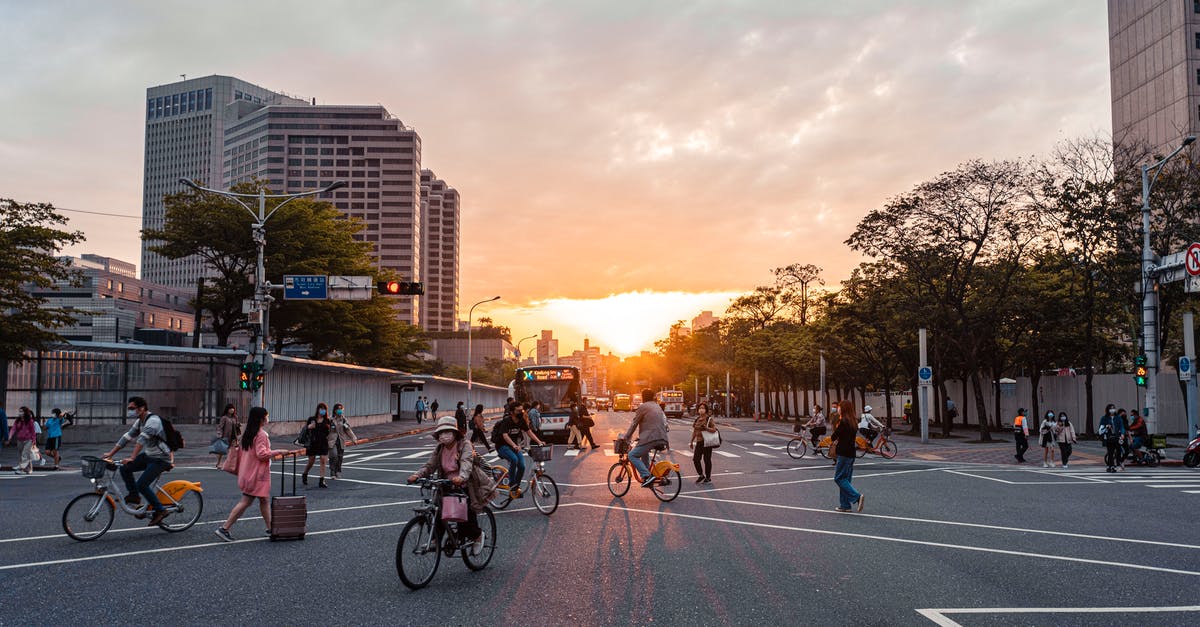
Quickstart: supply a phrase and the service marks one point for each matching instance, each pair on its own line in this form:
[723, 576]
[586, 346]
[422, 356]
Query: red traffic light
[391, 287]
[401, 288]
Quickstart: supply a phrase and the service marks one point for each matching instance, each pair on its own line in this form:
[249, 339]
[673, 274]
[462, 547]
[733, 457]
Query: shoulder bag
[231, 461]
[712, 439]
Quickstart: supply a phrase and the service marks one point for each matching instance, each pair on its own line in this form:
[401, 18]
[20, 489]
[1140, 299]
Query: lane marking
[856, 477]
[761, 454]
[376, 456]
[770, 446]
[1006, 481]
[417, 455]
[725, 453]
[860, 536]
[571, 453]
[938, 616]
[951, 523]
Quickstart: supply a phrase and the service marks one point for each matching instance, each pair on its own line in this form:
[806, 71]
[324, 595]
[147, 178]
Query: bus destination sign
[549, 374]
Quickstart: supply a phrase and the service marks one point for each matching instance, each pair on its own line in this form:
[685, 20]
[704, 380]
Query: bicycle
[797, 447]
[667, 482]
[90, 515]
[429, 534]
[886, 448]
[541, 485]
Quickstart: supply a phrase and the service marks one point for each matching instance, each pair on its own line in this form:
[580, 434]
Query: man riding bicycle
[870, 426]
[816, 425]
[651, 423]
[151, 455]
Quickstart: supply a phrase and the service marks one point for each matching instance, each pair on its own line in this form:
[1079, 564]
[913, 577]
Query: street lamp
[469, 314]
[1150, 296]
[519, 344]
[258, 230]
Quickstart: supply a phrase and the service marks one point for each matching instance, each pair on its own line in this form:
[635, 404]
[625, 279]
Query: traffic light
[1139, 375]
[1140, 360]
[251, 377]
[401, 288]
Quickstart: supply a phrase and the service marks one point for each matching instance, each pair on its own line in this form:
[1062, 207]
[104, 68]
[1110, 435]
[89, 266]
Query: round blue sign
[1185, 364]
[925, 373]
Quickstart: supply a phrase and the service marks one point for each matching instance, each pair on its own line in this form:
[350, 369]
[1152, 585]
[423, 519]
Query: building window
[1198, 41]
[1196, 6]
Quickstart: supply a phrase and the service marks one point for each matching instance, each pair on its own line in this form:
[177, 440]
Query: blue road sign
[925, 375]
[305, 287]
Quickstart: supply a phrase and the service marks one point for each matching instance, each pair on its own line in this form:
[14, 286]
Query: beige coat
[480, 486]
[340, 428]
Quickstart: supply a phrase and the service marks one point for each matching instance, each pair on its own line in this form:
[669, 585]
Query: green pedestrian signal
[1139, 376]
[251, 377]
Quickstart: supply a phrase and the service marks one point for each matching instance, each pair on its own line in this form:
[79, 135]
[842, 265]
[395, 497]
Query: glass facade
[176, 104]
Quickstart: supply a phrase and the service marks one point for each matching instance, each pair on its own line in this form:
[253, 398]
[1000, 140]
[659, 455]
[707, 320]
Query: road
[938, 543]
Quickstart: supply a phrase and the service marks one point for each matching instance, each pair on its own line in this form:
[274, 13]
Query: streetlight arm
[328, 188]
[232, 196]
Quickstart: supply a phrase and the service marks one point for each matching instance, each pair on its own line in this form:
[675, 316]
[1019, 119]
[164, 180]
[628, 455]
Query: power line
[98, 213]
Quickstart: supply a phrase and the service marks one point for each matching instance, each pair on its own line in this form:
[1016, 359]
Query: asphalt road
[938, 543]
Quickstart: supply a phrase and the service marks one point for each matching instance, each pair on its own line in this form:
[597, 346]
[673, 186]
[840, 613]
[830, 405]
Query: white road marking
[856, 477]
[376, 456]
[777, 448]
[967, 474]
[419, 454]
[725, 453]
[938, 616]
[1174, 485]
[760, 454]
[571, 453]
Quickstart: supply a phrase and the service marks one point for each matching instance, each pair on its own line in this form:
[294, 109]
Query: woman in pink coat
[254, 471]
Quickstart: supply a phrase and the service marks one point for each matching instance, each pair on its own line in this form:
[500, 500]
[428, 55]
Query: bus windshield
[554, 386]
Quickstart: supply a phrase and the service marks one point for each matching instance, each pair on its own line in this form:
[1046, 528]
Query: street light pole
[1149, 294]
[470, 313]
[258, 230]
[519, 346]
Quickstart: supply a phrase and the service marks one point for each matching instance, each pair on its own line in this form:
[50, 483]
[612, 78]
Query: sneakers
[1065, 466]
[649, 481]
[266, 532]
[224, 534]
[699, 479]
[841, 509]
[861, 498]
[1045, 464]
[158, 517]
[515, 493]
[477, 545]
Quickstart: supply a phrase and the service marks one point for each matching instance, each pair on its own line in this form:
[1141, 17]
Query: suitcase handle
[283, 470]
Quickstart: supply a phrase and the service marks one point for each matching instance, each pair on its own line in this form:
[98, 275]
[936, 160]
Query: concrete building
[593, 368]
[547, 349]
[301, 147]
[110, 304]
[439, 253]
[453, 351]
[1154, 64]
[186, 124]
[703, 321]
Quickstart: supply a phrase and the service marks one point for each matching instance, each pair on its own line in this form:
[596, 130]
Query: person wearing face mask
[453, 459]
[339, 434]
[318, 427]
[254, 471]
[1046, 439]
[151, 455]
[227, 430]
[1112, 430]
[703, 423]
[1064, 433]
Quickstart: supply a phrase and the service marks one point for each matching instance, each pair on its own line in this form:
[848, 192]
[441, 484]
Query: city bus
[621, 402]
[555, 387]
[672, 401]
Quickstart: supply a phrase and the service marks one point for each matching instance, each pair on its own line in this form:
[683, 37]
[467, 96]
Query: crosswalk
[1186, 481]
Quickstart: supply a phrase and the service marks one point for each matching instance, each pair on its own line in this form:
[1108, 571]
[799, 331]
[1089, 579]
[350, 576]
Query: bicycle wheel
[619, 479]
[828, 452]
[187, 512]
[859, 451]
[417, 553]
[887, 449]
[668, 488]
[88, 516]
[502, 498]
[487, 522]
[797, 448]
[545, 494]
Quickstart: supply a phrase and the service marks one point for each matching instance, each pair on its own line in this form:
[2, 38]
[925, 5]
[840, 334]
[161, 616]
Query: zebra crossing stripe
[725, 454]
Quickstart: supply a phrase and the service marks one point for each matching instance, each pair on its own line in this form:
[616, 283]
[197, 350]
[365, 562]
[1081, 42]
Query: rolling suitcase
[289, 514]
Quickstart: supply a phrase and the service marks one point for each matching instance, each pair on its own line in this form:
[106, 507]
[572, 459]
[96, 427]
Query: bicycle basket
[541, 453]
[621, 447]
[94, 467]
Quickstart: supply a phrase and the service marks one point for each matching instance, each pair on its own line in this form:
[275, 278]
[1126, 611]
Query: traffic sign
[925, 376]
[305, 287]
[359, 287]
[1191, 261]
[1186, 366]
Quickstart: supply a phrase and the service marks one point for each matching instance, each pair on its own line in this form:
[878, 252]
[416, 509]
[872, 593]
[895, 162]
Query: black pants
[1112, 453]
[703, 453]
[1065, 447]
[478, 435]
[816, 432]
[585, 435]
[1022, 445]
[469, 529]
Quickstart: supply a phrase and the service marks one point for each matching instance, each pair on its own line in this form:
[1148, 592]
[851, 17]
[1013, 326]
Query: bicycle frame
[431, 510]
[658, 470]
[167, 494]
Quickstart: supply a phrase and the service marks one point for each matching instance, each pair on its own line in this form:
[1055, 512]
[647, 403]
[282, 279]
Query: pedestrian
[318, 427]
[1046, 438]
[228, 430]
[845, 431]
[3, 426]
[1064, 434]
[701, 452]
[584, 423]
[575, 439]
[1021, 435]
[460, 417]
[454, 459]
[907, 410]
[24, 435]
[534, 411]
[1123, 423]
[54, 426]
[433, 407]
[152, 456]
[340, 434]
[478, 428]
[1110, 435]
[420, 408]
[254, 471]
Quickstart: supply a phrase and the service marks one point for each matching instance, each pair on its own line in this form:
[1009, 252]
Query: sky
[622, 164]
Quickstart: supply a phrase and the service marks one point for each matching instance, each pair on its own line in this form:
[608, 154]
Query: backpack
[172, 437]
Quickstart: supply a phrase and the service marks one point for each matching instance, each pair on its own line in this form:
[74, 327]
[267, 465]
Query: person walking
[584, 423]
[1112, 431]
[478, 428]
[1046, 438]
[845, 431]
[703, 423]
[54, 426]
[318, 427]
[254, 471]
[420, 409]
[575, 439]
[228, 429]
[3, 426]
[1021, 434]
[1123, 423]
[340, 434]
[535, 415]
[433, 407]
[24, 435]
[460, 417]
[1064, 434]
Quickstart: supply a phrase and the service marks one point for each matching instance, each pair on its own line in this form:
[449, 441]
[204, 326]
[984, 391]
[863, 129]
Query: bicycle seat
[660, 447]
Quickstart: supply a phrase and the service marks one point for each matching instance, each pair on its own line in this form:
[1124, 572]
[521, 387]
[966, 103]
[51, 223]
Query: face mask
[131, 413]
[1111, 412]
[320, 412]
[445, 437]
[338, 412]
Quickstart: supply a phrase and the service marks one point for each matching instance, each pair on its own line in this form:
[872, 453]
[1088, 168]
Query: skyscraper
[1154, 65]
[185, 130]
[439, 253]
[547, 349]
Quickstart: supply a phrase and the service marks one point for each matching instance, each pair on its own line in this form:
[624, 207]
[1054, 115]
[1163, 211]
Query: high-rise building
[439, 253]
[302, 147]
[547, 349]
[703, 321]
[185, 131]
[1154, 65]
[593, 368]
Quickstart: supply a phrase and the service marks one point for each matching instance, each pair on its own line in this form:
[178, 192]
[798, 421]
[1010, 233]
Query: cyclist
[1138, 432]
[453, 459]
[651, 423]
[869, 426]
[816, 425]
[506, 435]
[151, 456]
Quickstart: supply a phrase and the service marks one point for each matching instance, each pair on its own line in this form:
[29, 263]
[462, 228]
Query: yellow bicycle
[620, 476]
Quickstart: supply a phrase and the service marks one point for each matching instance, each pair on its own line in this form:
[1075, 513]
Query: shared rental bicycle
[435, 530]
[799, 446]
[542, 486]
[667, 482]
[89, 515]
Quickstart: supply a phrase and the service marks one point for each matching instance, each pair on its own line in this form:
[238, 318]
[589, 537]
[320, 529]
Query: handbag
[35, 453]
[586, 422]
[219, 446]
[712, 439]
[454, 507]
[231, 462]
[303, 437]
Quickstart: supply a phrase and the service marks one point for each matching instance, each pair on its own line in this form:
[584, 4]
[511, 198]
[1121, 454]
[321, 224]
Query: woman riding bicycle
[507, 436]
[453, 459]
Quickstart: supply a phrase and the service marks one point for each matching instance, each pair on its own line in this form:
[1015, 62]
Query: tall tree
[802, 275]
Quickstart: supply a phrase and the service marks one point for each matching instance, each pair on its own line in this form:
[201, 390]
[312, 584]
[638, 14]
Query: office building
[439, 253]
[703, 321]
[452, 351]
[593, 368]
[1154, 64]
[547, 349]
[185, 130]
